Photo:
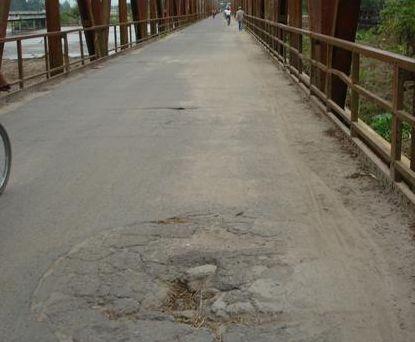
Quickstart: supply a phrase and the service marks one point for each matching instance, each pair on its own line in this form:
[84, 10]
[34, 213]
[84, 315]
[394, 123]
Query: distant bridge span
[27, 20]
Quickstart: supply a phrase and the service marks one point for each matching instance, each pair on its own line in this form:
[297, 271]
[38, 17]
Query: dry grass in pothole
[181, 298]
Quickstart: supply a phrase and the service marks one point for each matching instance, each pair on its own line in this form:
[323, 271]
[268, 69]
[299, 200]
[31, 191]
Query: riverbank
[31, 67]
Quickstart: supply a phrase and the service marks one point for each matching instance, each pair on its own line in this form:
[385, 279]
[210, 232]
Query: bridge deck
[199, 126]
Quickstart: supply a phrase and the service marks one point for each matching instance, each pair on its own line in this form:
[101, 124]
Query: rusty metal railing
[281, 41]
[152, 28]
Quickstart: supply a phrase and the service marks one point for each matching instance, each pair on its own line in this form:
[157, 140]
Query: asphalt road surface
[193, 166]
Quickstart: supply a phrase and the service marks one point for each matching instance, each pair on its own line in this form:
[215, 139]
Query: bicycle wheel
[5, 158]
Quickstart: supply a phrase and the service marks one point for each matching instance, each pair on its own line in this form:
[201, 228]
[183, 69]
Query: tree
[36, 5]
[373, 4]
[66, 6]
[18, 5]
[398, 23]
[69, 14]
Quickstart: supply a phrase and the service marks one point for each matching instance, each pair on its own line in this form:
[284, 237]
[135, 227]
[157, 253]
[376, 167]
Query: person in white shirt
[228, 15]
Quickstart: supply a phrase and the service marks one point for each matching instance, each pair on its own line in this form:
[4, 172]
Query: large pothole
[186, 278]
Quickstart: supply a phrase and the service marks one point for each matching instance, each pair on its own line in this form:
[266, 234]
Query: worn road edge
[366, 155]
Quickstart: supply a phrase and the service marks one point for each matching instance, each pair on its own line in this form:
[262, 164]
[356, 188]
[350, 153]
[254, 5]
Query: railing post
[45, 45]
[312, 67]
[274, 34]
[130, 31]
[397, 102]
[81, 47]
[66, 53]
[115, 39]
[329, 77]
[284, 48]
[412, 165]
[20, 63]
[354, 101]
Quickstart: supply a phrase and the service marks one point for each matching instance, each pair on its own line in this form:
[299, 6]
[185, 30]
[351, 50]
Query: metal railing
[285, 43]
[152, 28]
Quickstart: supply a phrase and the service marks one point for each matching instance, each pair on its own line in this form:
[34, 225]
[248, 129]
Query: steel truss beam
[295, 18]
[153, 15]
[281, 15]
[4, 15]
[95, 13]
[101, 10]
[338, 18]
[123, 18]
[87, 18]
[53, 24]
[139, 12]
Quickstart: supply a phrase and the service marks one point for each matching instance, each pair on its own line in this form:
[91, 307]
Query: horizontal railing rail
[285, 43]
[148, 28]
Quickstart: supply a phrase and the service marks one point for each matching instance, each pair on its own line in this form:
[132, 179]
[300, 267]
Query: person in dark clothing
[239, 16]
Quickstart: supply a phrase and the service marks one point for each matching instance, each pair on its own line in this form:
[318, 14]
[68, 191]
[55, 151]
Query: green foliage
[368, 36]
[373, 4]
[65, 6]
[398, 23]
[382, 124]
[69, 15]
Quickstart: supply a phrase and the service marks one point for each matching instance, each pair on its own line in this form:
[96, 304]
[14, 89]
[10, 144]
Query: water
[34, 48]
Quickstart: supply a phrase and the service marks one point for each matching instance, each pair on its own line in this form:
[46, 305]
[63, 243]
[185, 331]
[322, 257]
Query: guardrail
[152, 28]
[285, 43]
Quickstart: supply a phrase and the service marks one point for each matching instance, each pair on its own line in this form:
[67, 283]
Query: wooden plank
[405, 172]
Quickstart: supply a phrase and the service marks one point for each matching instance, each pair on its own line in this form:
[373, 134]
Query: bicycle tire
[5, 169]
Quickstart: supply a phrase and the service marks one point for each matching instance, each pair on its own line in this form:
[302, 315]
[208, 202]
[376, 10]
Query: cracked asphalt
[186, 191]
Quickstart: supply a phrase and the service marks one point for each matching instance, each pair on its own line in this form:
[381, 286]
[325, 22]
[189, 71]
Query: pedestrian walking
[228, 15]
[240, 18]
